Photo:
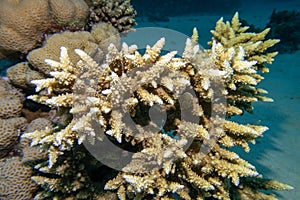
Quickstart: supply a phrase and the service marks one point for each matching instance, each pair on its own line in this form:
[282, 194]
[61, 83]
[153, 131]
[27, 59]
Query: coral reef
[21, 74]
[176, 159]
[248, 46]
[15, 177]
[119, 13]
[29, 153]
[10, 131]
[15, 180]
[72, 18]
[11, 100]
[35, 68]
[88, 41]
[17, 157]
[280, 23]
[11, 123]
[18, 35]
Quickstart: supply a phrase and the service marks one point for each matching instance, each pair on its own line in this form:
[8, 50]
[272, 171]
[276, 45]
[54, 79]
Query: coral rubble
[175, 157]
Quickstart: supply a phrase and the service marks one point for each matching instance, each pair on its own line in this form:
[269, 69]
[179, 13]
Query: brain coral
[10, 130]
[89, 41]
[15, 180]
[24, 23]
[21, 74]
[11, 100]
[95, 94]
[11, 123]
[70, 14]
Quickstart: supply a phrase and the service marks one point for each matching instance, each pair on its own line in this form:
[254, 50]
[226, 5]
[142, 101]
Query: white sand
[276, 155]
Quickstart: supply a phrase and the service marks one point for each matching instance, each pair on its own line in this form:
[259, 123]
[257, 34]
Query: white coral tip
[80, 52]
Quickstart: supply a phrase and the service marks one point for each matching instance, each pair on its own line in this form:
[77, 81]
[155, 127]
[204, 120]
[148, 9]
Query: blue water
[4, 64]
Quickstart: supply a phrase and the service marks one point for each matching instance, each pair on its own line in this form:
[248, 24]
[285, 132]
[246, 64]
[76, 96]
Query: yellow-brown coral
[119, 13]
[21, 74]
[71, 14]
[94, 43]
[15, 180]
[161, 167]
[232, 37]
[24, 23]
[33, 153]
[11, 124]
[10, 131]
[11, 100]
[88, 41]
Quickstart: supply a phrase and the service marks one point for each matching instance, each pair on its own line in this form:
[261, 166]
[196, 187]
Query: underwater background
[276, 155]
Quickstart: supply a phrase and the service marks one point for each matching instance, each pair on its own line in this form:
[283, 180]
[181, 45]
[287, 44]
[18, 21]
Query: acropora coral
[182, 159]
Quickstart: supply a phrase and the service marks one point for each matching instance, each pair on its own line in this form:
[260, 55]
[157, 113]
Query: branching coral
[248, 46]
[119, 13]
[195, 162]
[29, 153]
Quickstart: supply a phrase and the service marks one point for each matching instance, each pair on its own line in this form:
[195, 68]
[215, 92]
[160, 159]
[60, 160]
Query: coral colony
[45, 153]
